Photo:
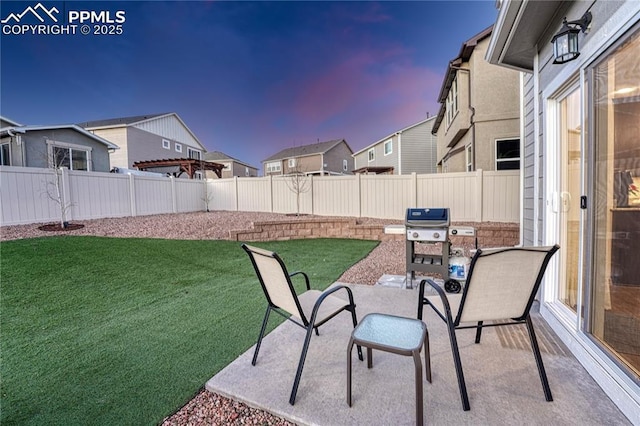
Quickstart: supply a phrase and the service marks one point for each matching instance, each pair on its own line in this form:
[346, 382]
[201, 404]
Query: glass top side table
[398, 335]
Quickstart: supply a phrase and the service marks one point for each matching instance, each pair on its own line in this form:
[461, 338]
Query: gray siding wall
[170, 128]
[334, 159]
[240, 169]
[145, 146]
[36, 148]
[380, 160]
[419, 150]
[528, 162]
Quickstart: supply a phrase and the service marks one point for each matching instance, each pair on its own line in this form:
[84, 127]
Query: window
[178, 147]
[246, 171]
[292, 162]
[468, 153]
[388, 147]
[193, 153]
[508, 154]
[5, 155]
[166, 144]
[73, 157]
[273, 167]
[451, 104]
[345, 165]
[372, 154]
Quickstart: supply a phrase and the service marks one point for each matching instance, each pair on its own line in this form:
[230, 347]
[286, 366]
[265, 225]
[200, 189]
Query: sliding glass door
[614, 289]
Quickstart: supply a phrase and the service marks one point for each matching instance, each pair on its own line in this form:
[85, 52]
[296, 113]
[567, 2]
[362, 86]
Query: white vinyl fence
[476, 197]
[27, 195]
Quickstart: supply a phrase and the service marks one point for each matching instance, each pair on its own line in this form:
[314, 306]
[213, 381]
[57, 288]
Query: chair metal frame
[309, 324]
[453, 324]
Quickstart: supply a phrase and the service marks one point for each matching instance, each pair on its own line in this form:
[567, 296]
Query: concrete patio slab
[502, 379]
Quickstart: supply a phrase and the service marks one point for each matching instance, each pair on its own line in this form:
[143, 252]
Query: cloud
[373, 90]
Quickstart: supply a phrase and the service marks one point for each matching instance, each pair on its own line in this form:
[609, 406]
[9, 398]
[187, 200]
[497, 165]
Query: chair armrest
[306, 278]
[324, 295]
[443, 297]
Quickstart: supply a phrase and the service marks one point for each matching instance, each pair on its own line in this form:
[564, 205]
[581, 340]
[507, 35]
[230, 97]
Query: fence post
[271, 193]
[132, 195]
[312, 206]
[359, 183]
[236, 192]
[479, 195]
[414, 188]
[66, 202]
[174, 201]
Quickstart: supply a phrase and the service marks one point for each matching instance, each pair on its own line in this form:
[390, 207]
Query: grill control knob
[436, 235]
[415, 235]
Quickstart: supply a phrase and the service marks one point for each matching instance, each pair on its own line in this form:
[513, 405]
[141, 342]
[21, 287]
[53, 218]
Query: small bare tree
[59, 159]
[299, 183]
[208, 195]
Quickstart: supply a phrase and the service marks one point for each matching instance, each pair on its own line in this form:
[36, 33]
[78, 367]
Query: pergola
[375, 170]
[176, 166]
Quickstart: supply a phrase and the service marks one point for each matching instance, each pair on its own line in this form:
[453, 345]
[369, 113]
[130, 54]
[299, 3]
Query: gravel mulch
[207, 408]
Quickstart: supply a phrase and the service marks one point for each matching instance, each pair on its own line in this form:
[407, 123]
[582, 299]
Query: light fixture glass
[565, 43]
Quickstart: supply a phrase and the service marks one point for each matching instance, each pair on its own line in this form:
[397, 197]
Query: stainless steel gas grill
[427, 226]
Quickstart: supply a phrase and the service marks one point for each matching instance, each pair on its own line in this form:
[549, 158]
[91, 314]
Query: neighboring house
[410, 150]
[147, 138]
[322, 158]
[478, 123]
[581, 154]
[64, 145]
[232, 167]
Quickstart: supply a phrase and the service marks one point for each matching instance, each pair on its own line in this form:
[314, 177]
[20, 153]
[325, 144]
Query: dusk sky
[248, 78]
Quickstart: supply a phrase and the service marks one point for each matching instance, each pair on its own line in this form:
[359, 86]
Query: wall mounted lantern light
[565, 43]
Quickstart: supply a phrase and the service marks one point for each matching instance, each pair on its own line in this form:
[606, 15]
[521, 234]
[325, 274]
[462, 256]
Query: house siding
[418, 149]
[307, 164]
[36, 152]
[380, 160]
[170, 127]
[528, 161]
[335, 156]
[312, 161]
[120, 157]
[145, 146]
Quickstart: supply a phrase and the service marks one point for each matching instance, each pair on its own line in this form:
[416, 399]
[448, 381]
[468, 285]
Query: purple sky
[248, 78]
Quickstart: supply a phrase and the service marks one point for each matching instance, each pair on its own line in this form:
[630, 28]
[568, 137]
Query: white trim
[178, 147]
[166, 144]
[371, 155]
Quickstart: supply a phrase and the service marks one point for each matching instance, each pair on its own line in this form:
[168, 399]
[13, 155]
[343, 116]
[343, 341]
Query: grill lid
[420, 217]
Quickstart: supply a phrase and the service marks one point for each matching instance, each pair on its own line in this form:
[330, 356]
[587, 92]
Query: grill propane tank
[458, 269]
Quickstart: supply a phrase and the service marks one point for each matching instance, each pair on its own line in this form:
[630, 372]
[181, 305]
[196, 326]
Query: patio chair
[309, 310]
[501, 284]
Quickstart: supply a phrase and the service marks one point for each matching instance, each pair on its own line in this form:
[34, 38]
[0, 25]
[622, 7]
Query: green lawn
[125, 331]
